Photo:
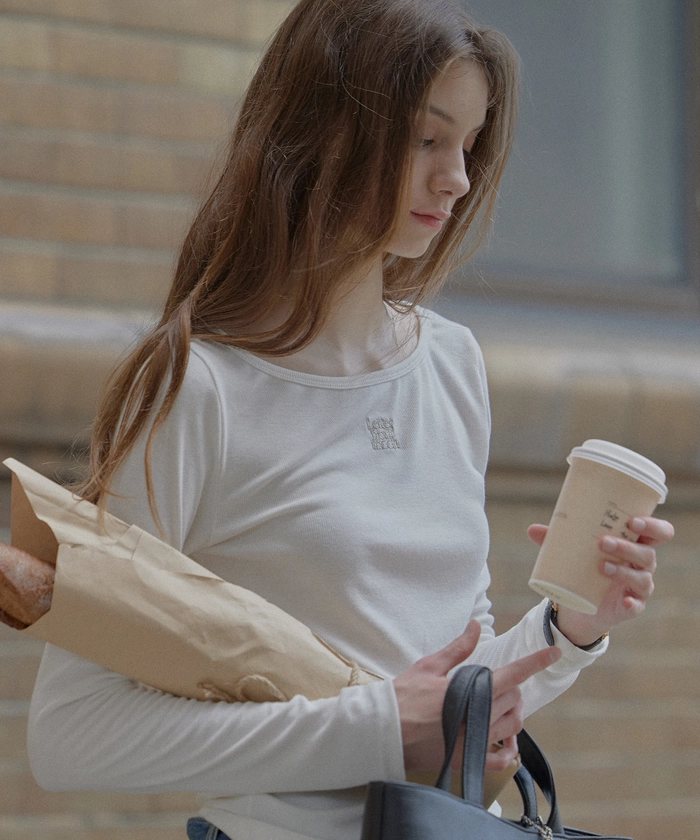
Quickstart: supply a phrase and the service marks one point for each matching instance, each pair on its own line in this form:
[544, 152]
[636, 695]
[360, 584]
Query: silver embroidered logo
[382, 431]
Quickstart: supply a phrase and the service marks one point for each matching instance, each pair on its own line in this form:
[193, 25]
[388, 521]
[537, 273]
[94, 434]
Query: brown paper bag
[135, 605]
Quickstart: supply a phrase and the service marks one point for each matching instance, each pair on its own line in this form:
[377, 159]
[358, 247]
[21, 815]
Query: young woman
[298, 424]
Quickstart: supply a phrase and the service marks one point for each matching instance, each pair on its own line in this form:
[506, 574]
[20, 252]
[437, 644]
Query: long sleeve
[526, 637]
[90, 728]
[93, 729]
[355, 504]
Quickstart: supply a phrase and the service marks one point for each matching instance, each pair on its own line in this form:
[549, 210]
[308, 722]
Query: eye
[425, 143]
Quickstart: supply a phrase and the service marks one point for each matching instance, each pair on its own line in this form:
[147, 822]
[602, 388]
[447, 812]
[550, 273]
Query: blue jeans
[199, 829]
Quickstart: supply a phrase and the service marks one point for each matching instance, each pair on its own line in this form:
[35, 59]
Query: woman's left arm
[629, 566]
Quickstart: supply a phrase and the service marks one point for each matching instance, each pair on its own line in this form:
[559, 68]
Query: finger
[503, 704]
[453, 654]
[637, 584]
[537, 533]
[635, 554]
[651, 531]
[499, 759]
[633, 606]
[508, 725]
[515, 673]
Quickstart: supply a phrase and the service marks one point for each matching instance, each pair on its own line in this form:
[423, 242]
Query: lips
[434, 220]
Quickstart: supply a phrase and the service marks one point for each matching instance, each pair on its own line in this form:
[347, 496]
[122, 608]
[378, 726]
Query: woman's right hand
[420, 692]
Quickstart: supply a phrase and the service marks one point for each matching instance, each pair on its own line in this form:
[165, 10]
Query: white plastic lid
[625, 460]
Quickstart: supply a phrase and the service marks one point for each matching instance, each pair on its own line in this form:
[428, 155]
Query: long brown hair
[316, 170]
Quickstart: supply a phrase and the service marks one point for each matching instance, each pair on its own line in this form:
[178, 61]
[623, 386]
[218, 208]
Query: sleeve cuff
[553, 636]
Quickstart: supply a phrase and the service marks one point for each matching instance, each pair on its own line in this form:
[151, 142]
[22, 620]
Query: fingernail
[554, 654]
[609, 544]
[638, 524]
[610, 568]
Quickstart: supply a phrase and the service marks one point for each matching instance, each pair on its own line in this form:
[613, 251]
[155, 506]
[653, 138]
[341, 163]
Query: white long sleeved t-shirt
[354, 503]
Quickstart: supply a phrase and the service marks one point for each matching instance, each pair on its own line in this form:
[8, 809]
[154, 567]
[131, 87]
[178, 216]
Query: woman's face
[446, 133]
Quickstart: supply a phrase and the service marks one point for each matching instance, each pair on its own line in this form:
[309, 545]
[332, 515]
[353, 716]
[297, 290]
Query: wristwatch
[550, 620]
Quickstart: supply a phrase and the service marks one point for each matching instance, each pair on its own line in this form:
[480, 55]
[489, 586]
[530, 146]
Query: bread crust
[26, 587]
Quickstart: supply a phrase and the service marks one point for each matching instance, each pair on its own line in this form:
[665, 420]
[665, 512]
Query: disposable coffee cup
[606, 486]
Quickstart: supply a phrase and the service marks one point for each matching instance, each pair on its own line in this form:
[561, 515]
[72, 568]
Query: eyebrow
[442, 114]
[449, 119]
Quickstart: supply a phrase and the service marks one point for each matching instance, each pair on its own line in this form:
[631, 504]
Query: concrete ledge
[54, 362]
[546, 397]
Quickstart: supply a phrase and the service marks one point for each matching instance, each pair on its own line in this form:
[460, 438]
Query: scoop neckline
[362, 380]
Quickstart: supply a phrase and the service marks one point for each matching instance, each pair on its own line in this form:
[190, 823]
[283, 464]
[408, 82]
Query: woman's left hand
[630, 568]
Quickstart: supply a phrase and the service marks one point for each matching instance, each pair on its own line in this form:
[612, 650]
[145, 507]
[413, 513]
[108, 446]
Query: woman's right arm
[92, 729]
[420, 692]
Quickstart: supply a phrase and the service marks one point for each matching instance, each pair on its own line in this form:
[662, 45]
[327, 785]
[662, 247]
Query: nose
[450, 176]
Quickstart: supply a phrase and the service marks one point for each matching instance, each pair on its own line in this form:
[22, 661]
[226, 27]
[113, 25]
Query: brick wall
[111, 117]
[111, 113]
[624, 740]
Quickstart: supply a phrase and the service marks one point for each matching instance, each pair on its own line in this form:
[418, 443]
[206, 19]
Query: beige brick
[667, 624]
[56, 216]
[13, 733]
[245, 20]
[23, 158]
[602, 777]
[116, 55]
[84, 160]
[20, 794]
[64, 460]
[600, 405]
[93, 826]
[5, 496]
[518, 404]
[643, 819]
[176, 116]
[260, 18]
[78, 51]
[226, 70]
[88, 107]
[667, 674]
[687, 525]
[27, 275]
[112, 282]
[153, 224]
[667, 428]
[19, 664]
[25, 44]
[52, 271]
[64, 216]
[568, 726]
[50, 391]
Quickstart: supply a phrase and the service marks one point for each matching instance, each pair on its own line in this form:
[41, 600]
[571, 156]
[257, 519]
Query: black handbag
[409, 811]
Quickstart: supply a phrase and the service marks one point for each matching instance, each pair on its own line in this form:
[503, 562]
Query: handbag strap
[528, 793]
[536, 764]
[468, 701]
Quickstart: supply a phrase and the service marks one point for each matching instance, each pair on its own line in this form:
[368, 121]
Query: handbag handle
[535, 763]
[468, 696]
[468, 700]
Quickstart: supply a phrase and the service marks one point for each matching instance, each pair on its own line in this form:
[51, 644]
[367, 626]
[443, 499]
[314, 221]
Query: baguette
[26, 587]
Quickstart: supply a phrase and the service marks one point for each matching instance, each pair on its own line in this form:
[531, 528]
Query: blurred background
[586, 303]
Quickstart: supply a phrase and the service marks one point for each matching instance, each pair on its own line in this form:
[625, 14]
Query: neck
[361, 334]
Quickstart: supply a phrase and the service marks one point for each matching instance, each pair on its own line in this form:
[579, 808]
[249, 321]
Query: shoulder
[211, 371]
[450, 340]
[206, 364]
